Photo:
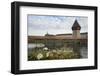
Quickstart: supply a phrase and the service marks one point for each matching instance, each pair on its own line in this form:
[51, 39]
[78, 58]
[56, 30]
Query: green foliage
[52, 54]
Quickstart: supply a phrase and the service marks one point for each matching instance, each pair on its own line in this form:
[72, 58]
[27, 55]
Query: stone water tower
[76, 30]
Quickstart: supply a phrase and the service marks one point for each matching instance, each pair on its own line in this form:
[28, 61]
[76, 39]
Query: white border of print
[25, 64]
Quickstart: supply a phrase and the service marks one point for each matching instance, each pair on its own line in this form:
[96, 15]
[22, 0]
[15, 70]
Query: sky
[39, 25]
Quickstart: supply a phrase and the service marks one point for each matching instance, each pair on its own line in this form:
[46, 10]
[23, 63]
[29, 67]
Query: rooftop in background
[58, 36]
[70, 34]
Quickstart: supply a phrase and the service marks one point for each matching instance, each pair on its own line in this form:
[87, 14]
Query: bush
[41, 54]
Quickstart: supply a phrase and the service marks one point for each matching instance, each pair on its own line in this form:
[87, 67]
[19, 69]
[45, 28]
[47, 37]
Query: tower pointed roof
[76, 26]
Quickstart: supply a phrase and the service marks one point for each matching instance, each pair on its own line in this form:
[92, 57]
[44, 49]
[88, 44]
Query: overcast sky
[39, 25]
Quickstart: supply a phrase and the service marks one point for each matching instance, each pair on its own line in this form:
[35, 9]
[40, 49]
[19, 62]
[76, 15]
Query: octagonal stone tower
[76, 30]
